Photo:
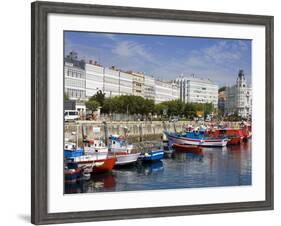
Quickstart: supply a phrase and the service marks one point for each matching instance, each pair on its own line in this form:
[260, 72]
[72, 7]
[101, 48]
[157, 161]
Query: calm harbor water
[227, 166]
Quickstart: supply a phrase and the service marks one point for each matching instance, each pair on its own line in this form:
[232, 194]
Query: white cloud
[219, 62]
[216, 57]
[220, 53]
[131, 49]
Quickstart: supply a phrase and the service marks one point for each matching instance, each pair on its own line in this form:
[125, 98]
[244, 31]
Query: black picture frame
[39, 106]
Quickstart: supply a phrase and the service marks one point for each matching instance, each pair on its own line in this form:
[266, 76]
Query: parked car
[71, 115]
[173, 119]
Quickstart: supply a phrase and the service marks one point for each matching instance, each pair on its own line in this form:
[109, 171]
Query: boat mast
[76, 136]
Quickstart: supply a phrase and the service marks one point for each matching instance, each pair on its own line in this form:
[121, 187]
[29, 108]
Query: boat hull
[187, 148]
[198, 142]
[153, 155]
[235, 140]
[235, 136]
[124, 159]
[71, 176]
[86, 166]
[247, 134]
[73, 153]
[104, 165]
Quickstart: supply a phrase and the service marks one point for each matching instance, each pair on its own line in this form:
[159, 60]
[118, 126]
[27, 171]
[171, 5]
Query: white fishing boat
[95, 148]
[119, 144]
[121, 150]
[124, 158]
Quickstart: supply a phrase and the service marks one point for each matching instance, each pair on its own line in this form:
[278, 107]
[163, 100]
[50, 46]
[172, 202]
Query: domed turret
[241, 81]
[241, 74]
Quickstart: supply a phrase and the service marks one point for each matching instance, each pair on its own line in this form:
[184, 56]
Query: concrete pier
[134, 131]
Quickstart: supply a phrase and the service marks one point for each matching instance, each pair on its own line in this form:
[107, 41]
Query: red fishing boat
[104, 165]
[187, 148]
[246, 131]
[235, 135]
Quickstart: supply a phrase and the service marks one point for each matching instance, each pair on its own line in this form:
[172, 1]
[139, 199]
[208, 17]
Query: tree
[148, 106]
[99, 97]
[208, 108]
[160, 108]
[176, 108]
[190, 110]
[111, 104]
[92, 105]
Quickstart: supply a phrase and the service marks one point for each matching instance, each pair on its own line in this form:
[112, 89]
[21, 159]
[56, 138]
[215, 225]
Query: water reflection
[228, 166]
[149, 168]
[187, 156]
[79, 187]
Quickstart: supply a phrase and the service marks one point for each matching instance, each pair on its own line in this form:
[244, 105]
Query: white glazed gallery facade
[197, 90]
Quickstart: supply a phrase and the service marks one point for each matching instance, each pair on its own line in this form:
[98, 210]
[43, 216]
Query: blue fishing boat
[152, 155]
[72, 175]
[71, 151]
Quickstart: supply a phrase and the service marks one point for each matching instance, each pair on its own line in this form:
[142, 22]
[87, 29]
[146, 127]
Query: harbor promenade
[134, 131]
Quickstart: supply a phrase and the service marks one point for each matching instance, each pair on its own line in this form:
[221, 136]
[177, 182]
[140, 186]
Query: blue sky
[165, 57]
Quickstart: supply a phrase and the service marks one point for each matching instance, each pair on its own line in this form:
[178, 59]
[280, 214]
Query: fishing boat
[104, 165]
[85, 171]
[95, 148]
[247, 134]
[119, 144]
[187, 148]
[92, 158]
[196, 138]
[90, 164]
[235, 136]
[121, 150]
[84, 165]
[72, 175]
[124, 158]
[152, 155]
[71, 150]
[152, 151]
[75, 158]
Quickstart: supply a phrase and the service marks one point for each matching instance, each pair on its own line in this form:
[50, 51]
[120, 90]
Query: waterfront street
[220, 166]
